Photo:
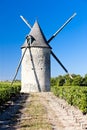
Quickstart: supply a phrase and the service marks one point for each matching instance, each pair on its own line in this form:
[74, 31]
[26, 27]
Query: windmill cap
[37, 34]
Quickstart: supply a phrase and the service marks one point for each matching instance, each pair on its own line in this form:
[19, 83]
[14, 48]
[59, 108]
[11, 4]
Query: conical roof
[38, 36]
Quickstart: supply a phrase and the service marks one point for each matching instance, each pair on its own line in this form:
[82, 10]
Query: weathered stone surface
[36, 62]
[36, 70]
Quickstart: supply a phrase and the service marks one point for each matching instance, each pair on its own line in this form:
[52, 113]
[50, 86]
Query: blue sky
[70, 45]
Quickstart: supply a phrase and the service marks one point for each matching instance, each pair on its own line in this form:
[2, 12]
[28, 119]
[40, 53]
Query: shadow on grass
[11, 114]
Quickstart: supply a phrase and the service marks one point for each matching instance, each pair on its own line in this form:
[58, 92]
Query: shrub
[74, 95]
[7, 91]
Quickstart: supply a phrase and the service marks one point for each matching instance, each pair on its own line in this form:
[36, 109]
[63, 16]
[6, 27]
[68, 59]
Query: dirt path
[57, 115]
[39, 111]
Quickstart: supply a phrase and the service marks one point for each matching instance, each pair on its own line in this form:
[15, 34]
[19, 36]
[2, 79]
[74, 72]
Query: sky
[70, 45]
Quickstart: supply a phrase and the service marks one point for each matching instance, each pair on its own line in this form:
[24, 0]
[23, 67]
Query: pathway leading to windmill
[42, 111]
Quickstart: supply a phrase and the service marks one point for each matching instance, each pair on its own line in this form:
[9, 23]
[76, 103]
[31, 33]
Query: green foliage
[77, 80]
[74, 95]
[61, 81]
[58, 81]
[74, 91]
[53, 81]
[84, 81]
[67, 81]
[7, 91]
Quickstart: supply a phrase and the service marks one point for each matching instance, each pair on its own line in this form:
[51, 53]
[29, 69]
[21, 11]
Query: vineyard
[74, 91]
[44, 110]
[74, 95]
[7, 91]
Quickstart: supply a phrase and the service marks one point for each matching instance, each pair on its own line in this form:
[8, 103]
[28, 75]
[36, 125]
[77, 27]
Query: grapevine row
[7, 91]
[74, 95]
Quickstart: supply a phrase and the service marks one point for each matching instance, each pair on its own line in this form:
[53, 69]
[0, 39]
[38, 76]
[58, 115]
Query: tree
[68, 80]
[84, 81]
[77, 81]
[53, 82]
[61, 80]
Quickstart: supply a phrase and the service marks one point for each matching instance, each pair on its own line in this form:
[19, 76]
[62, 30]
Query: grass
[36, 116]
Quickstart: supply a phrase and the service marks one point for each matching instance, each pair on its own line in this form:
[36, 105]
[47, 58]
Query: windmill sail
[59, 62]
[25, 21]
[54, 35]
[56, 58]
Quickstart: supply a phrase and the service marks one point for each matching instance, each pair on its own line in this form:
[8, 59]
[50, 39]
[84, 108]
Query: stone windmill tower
[36, 62]
[36, 51]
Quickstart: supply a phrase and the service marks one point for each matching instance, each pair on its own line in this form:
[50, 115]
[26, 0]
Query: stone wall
[35, 74]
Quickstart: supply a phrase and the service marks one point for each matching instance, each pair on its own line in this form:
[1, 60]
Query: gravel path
[60, 115]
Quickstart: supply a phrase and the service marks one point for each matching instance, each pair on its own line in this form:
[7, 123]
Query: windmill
[35, 74]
